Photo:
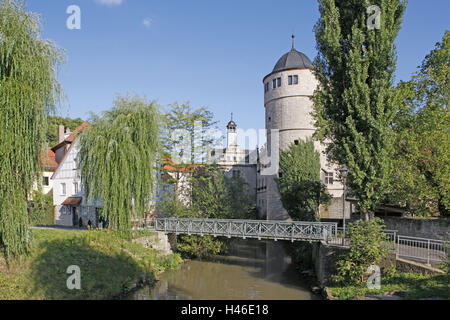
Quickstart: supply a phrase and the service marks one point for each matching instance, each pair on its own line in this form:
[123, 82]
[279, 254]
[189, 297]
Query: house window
[274, 83]
[296, 142]
[45, 181]
[295, 79]
[63, 189]
[329, 178]
[279, 82]
[290, 80]
[266, 87]
[75, 187]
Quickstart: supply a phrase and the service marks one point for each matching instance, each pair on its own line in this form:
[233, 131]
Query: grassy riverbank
[415, 286]
[109, 266]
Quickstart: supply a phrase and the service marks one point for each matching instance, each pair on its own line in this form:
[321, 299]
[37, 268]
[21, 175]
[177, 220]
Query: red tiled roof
[49, 163]
[78, 130]
[72, 201]
[47, 160]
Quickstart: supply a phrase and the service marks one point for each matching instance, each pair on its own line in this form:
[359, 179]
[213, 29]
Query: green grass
[416, 286]
[109, 266]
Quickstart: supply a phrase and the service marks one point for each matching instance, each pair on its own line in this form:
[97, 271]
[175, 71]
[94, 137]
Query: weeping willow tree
[118, 152]
[28, 90]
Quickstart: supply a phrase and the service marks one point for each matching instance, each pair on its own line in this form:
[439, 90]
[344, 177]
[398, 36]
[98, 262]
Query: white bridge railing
[257, 229]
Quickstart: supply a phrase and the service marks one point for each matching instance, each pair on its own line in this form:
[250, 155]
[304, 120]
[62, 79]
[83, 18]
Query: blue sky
[212, 53]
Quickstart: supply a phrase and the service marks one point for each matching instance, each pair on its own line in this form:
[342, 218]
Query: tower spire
[232, 116]
[293, 41]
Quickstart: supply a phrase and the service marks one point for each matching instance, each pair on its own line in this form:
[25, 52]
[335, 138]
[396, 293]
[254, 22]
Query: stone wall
[324, 259]
[403, 265]
[419, 227]
[159, 241]
[334, 210]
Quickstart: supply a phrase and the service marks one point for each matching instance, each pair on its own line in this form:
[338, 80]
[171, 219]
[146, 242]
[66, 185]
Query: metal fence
[429, 251]
[340, 240]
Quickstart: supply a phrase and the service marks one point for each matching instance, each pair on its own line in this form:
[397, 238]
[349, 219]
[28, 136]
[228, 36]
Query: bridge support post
[172, 237]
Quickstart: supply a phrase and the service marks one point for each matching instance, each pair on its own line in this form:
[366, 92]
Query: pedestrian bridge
[256, 229]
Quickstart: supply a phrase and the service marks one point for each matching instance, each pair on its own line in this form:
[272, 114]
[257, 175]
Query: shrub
[367, 247]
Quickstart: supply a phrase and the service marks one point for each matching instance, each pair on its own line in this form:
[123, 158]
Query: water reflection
[253, 270]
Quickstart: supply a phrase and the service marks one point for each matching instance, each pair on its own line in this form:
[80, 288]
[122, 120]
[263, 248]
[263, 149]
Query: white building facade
[70, 206]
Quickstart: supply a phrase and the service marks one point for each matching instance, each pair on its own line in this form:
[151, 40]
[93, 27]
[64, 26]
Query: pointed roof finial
[293, 41]
[232, 116]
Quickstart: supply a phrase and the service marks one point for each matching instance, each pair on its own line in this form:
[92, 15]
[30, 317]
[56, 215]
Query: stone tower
[288, 90]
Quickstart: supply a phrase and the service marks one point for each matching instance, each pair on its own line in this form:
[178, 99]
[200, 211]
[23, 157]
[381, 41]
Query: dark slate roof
[293, 60]
[231, 125]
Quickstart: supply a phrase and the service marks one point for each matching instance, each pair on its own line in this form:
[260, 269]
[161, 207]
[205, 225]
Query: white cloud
[110, 3]
[147, 22]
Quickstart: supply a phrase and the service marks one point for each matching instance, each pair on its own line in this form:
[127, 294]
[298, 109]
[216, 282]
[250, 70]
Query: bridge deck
[258, 229]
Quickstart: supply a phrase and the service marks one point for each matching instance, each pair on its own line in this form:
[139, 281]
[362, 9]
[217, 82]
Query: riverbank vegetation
[410, 285]
[367, 248]
[109, 266]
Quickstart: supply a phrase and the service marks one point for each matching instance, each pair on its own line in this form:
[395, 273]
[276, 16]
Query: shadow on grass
[419, 287]
[104, 275]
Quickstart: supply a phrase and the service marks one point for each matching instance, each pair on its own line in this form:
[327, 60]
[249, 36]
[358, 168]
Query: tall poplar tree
[118, 154]
[356, 102]
[28, 89]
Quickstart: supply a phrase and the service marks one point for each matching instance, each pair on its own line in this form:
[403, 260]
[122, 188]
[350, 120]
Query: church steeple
[231, 125]
[231, 133]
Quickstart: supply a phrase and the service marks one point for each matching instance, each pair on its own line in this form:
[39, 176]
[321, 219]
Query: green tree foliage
[213, 196]
[42, 208]
[29, 89]
[421, 179]
[185, 132]
[299, 183]
[356, 102]
[54, 122]
[118, 153]
[368, 246]
[216, 196]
